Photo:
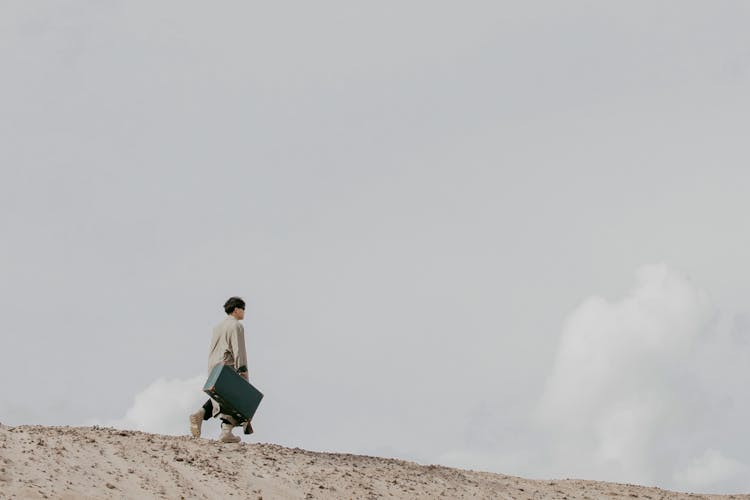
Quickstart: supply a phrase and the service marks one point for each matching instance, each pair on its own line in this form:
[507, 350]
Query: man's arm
[240, 354]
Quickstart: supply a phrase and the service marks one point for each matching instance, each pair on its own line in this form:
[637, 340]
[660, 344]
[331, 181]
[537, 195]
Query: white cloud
[711, 468]
[625, 383]
[611, 384]
[163, 407]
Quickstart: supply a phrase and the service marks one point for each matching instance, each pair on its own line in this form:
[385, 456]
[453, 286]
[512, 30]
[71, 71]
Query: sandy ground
[85, 462]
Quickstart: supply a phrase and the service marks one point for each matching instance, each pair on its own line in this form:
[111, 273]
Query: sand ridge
[93, 462]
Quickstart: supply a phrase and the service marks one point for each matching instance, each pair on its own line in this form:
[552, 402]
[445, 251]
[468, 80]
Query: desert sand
[92, 462]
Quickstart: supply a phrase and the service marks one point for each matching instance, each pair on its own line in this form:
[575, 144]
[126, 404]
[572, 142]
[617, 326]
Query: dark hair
[233, 303]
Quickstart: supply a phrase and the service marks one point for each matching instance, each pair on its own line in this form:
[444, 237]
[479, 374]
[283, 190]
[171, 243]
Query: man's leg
[206, 412]
[197, 418]
[226, 436]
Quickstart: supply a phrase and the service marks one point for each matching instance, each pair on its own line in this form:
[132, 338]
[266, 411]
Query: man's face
[239, 313]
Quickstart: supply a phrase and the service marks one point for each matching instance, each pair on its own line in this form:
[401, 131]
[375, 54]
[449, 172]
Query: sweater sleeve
[238, 345]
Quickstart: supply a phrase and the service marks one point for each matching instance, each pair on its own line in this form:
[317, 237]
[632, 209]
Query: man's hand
[245, 376]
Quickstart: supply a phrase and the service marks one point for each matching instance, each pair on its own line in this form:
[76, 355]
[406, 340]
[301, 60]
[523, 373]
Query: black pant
[208, 410]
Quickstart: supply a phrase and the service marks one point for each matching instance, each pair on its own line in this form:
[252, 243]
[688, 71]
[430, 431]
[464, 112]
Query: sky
[506, 236]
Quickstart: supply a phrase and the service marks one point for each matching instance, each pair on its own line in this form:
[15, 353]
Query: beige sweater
[228, 344]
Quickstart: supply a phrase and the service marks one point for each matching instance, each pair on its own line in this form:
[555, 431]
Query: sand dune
[91, 462]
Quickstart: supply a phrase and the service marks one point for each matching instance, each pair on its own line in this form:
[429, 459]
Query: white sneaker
[196, 421]
[226, 435]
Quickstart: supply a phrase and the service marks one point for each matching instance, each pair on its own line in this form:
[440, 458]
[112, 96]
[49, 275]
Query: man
[228, 348]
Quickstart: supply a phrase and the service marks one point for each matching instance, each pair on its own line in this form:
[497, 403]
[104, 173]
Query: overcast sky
[509, 236]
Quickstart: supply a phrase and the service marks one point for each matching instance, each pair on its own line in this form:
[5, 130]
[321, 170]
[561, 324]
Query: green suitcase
[236, 396]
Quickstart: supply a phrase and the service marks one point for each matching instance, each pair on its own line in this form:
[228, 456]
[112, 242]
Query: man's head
[235, 306]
